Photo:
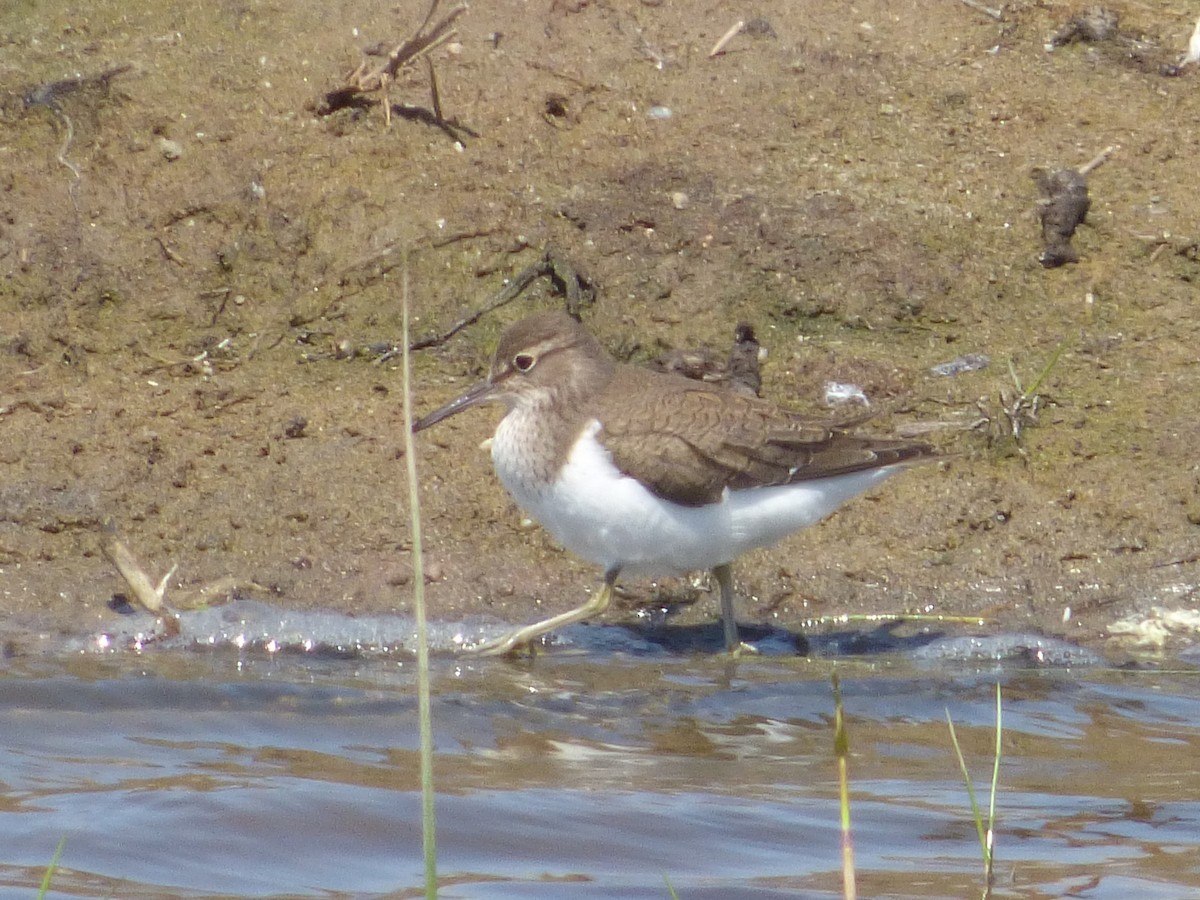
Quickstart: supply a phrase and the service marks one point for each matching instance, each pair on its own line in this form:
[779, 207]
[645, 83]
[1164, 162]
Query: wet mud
[200, 283]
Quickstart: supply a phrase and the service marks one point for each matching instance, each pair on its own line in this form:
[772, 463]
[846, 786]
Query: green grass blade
[966, 776]
[841, 749]
[985, 829]
[428, 817]
[52, 868]
[1053, 361]
[991, 822]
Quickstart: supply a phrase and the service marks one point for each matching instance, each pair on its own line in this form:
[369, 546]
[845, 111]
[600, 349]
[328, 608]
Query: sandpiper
[645, 473]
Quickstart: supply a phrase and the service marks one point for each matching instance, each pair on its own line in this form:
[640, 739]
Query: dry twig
[734, 31]
[1098, 160]
[152, 597]
[996, 13]
[376, 78]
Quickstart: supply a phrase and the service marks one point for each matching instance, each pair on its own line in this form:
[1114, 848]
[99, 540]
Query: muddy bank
[200, 275]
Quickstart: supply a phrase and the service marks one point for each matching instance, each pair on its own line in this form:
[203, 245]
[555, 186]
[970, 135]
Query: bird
[644, 473]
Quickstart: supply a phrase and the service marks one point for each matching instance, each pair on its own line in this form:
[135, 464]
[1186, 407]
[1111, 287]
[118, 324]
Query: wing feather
[691, 441]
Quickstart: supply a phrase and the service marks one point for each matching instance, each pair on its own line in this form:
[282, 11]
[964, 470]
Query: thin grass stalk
[841, 749]
[1037, 382]
[966, 776]
[428, 817]
[52, 868]
[986, 830]
[991, 823]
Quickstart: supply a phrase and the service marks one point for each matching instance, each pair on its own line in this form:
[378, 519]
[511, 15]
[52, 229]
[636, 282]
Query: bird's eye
[524, 362]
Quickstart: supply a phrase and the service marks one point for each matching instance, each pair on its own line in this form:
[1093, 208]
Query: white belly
[608, 518]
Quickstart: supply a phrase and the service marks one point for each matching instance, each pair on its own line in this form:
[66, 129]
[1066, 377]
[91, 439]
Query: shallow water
[586, 774]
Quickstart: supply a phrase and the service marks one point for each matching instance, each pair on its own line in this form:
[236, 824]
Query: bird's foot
[742, 649]
[510, 644]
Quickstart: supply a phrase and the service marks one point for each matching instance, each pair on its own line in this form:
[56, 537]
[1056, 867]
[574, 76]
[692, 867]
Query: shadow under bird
[650, 474]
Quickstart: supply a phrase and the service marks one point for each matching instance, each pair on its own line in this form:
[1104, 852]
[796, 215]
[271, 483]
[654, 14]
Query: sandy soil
[186, 274]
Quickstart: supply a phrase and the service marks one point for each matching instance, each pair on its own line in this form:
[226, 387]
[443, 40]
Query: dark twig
[433, 90]
[577, 289]
[49, 95]
[566, 280]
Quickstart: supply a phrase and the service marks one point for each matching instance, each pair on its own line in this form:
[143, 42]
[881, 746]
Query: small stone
[759, 28]
[968, 362]
[399, 576]
[171, 150]
[838, 393]
[1063, 207]
[680, 200]
[1092, 26]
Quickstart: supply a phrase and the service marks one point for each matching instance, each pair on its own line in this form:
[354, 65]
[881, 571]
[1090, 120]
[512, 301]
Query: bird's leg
[724, 575]
[595, 605]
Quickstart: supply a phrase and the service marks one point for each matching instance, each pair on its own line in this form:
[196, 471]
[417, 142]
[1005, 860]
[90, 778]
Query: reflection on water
[218, 774]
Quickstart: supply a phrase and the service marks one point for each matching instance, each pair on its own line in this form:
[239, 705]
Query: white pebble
[171, 150]
[838, 393]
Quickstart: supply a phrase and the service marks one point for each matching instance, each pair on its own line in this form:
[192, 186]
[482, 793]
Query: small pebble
[680, 200]
[838, 393]
[759, 28]
[399, 576]
[968, 362]
[171, 150]
[659, 112]
[295, 427]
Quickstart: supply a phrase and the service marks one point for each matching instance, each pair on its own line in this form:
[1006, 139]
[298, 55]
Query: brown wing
[692, 441]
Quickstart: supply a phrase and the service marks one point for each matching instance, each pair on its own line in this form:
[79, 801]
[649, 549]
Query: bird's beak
[480, 393]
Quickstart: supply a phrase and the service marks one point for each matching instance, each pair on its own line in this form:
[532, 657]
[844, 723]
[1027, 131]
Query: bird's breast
[605, 516]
